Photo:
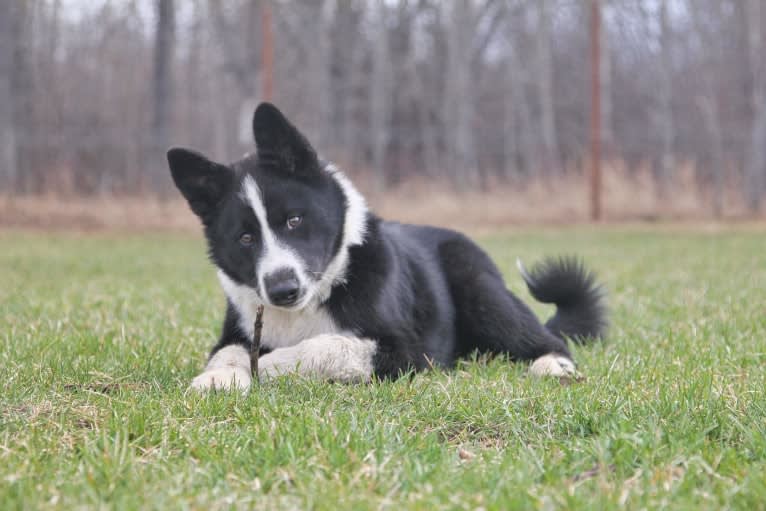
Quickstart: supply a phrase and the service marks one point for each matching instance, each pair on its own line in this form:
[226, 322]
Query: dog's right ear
[203, 182]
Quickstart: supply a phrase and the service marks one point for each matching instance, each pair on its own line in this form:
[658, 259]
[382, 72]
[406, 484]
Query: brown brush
[255, 346]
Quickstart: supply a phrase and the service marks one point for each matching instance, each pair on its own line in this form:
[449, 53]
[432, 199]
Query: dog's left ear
[280, 143]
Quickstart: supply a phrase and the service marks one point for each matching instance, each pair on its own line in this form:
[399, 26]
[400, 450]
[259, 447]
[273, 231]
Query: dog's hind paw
[553, 364]
[223, 378]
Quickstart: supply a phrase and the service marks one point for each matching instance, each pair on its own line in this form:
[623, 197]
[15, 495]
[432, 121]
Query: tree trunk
[318, 44]
[755, 170]
[458, 98]
[352, 105]
[517, 107]
[380, 96]
[713, 128]
[518, 79]
[605, 77]
[164, 40]
[8, 148]
[242, 68]
[708, 104]
[26, 132]
[510, 123]
[545, 88]
[665, 100]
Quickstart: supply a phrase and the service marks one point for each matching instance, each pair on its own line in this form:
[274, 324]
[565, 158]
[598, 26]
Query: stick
[255, 346]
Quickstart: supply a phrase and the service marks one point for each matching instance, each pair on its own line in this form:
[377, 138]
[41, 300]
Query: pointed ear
[203, 182]
[280, 143]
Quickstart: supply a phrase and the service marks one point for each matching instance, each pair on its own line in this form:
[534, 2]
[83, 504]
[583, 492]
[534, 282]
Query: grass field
[100, 335]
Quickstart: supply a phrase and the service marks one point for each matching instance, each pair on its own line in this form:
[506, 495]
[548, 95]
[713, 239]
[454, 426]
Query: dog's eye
[246, 239]
[294, 221]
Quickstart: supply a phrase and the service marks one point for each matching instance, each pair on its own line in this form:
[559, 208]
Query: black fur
[566, 283]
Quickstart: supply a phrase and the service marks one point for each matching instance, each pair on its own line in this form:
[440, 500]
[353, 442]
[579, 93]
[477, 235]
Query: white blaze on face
[275, 255]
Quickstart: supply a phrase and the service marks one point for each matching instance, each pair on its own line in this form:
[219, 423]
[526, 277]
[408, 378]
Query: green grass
[101, 334]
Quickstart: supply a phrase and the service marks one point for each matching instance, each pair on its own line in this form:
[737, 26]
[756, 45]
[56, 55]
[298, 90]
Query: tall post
[595, 110]
[267, 53]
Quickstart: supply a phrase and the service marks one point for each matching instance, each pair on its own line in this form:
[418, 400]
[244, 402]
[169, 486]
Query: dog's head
[279, 223]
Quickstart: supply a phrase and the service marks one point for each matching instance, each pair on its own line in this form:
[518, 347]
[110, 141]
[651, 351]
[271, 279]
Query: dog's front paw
[223, 378]
[553, 364]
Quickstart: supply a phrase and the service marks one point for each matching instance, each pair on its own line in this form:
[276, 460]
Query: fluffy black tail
[580, 310]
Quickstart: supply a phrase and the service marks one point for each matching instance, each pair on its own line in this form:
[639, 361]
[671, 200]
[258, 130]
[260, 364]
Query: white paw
[223, 378]
[553, 365]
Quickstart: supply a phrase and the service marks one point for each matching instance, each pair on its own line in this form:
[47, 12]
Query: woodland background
[474, 99]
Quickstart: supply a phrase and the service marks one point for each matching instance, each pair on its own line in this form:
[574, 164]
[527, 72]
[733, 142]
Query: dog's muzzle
[282, 287]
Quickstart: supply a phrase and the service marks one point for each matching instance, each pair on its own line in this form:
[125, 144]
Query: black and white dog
[348, 295]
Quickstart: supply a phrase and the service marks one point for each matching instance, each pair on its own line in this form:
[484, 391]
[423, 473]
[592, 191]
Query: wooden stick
[255, 346]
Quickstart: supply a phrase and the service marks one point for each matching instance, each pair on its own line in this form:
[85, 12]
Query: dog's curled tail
[580, 309]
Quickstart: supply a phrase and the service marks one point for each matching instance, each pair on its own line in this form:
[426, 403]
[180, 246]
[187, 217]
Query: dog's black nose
[282, 287]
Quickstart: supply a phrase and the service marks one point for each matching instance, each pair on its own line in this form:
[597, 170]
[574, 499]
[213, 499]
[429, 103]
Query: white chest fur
[280, 328]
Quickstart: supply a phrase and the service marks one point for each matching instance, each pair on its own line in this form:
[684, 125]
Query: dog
[349, 297]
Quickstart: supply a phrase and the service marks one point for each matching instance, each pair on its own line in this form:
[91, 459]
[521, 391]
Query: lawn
[100, 335]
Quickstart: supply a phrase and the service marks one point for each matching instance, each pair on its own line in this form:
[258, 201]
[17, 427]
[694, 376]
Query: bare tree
[458, 97]
[430, 109]
[520, 142]
[755, 170]
[162, 84]
[664, 114]
[238, 35]
[605, 77]
[239, 45]
[545, 93]
[350, 133]
[380, 95]
[8, 157]
[707, 101]
[319, 66]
